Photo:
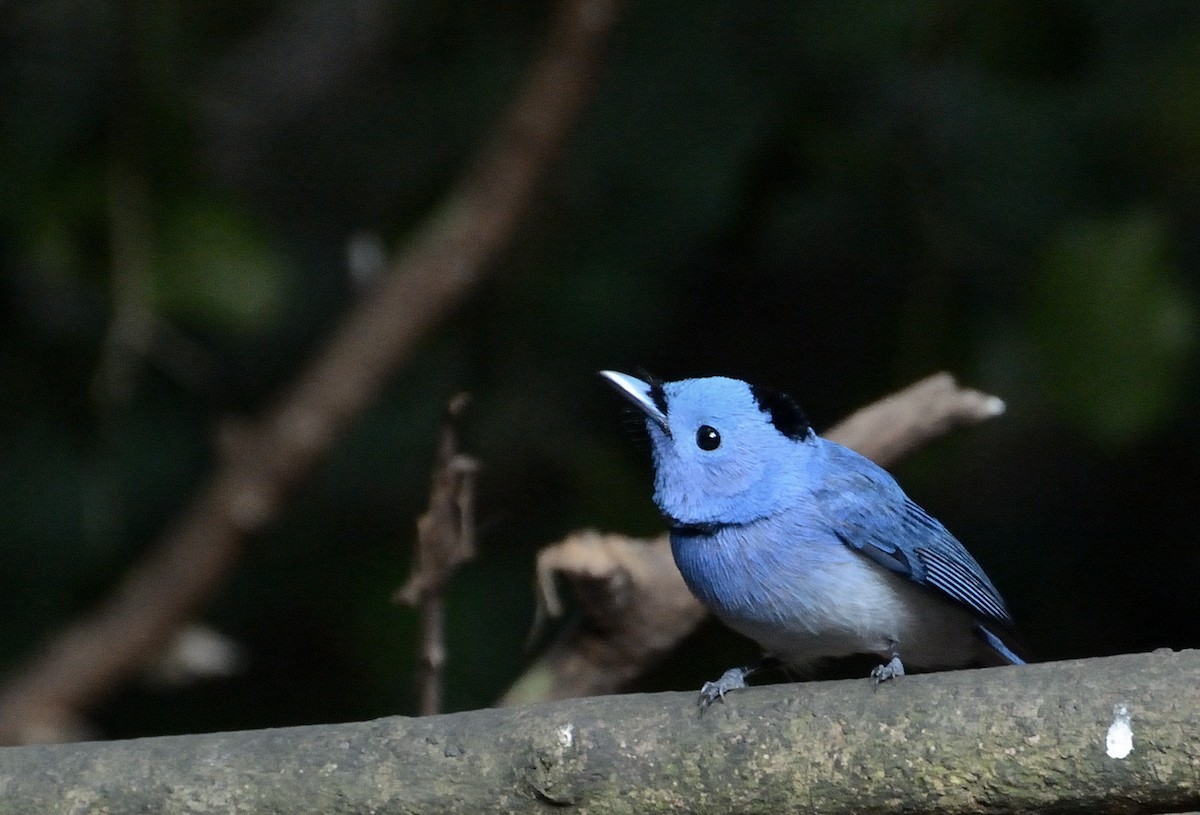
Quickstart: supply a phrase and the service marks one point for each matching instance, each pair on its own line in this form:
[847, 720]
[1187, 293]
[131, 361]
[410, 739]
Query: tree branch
[1038, 738]
[634, 603]
[263, 462]
[445, 540]
[888, 430]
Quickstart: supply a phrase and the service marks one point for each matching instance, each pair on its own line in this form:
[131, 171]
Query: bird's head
[724, 451]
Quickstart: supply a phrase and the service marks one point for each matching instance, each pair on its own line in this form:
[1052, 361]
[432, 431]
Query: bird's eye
[707, 438]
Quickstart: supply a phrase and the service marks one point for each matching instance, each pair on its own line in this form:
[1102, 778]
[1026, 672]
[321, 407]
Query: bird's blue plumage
[804, 545]
[870, 513]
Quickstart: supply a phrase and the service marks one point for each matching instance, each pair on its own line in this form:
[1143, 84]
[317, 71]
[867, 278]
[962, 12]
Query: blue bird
[805, 546]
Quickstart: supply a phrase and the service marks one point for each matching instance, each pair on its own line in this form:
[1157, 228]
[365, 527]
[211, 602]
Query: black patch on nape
[783, 412]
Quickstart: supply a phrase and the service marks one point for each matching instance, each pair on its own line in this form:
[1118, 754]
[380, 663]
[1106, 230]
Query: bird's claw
[733, 679]
[882, 673]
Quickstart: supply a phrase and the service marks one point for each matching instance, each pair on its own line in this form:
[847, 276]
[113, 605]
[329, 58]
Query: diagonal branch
[447, 258]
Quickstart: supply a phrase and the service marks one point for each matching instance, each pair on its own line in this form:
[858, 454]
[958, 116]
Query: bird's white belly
[803, 613]
[837, 610]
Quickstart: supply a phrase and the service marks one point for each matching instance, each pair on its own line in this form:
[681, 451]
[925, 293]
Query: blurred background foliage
[835, 198]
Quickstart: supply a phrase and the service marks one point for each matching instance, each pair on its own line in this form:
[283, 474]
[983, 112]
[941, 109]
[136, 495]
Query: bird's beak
[638, 392]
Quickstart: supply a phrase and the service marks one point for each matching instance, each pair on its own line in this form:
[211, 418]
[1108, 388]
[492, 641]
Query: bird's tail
[1003, 651]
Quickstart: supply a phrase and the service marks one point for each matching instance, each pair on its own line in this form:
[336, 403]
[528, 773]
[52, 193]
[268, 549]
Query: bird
[803, 545]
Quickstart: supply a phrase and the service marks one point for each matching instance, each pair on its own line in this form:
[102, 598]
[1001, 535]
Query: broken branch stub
[446, 530]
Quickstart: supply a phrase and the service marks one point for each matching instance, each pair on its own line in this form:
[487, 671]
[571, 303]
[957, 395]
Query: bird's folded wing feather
[871, 514]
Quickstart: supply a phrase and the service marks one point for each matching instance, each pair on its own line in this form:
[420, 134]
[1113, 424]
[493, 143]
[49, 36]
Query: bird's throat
[695, 530]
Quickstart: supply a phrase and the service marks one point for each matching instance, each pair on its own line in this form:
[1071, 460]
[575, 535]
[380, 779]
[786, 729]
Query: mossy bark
[1020, 739]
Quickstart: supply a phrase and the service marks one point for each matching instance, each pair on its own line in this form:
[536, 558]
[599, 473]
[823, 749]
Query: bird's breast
[802, 595]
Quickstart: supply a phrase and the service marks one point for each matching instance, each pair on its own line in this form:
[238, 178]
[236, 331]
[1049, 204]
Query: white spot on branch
[1119, 741]
[566, 734]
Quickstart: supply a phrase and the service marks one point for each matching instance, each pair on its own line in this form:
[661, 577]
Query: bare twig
[445, 540]
[445, 260]
[634, 604]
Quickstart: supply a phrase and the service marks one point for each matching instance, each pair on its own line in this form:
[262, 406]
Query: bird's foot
[882, 673]
[733, 679]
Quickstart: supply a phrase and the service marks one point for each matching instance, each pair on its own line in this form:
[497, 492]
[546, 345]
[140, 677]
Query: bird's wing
[871, 514]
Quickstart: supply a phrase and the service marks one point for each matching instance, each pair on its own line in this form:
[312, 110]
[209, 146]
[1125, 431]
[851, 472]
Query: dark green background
[834, 198]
